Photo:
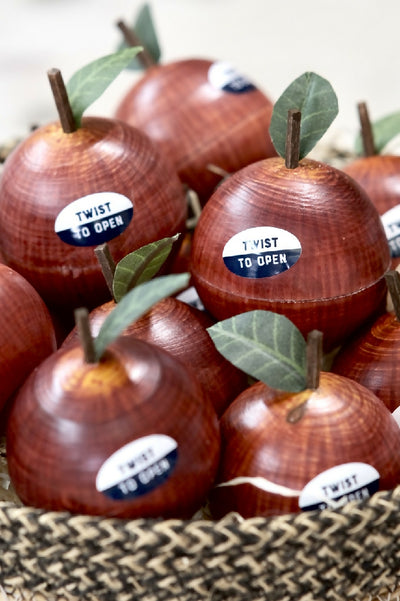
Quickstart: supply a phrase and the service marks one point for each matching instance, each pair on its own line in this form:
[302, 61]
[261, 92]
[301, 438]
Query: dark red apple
[62, 194]
[379, 175]
[27, 334]
[131, 435]
[200, 112]
[305, 241]
[180, 329]
[286, 452]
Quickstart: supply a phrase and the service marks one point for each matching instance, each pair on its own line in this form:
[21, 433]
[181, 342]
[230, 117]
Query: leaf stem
[131, 39]
[62, 101]
[292, 148]
[366, 130]
[314, 358]
[393, 282]
[85, 335]
[107, 264]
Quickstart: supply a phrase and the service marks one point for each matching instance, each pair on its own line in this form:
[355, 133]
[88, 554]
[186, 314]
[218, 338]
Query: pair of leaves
[315, 98]
[383, 131]
[88, 83]
[266, 346]
[135, 304]
[144, 29]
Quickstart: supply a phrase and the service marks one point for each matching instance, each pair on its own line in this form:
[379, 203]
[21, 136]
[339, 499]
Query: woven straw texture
[351, 553]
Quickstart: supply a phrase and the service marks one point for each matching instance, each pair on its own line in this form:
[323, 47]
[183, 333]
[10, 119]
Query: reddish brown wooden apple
[306, 242]
[64, 190]
[372, 356]
[129, 435]
[345, 445]
[200, 112]
[379, 176]
[27, 335]
[180, 329]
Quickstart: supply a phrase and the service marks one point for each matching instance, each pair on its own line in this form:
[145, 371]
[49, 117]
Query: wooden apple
[171, 324]
[371, 358]
[62, 193]
[124, 431]
[200, 112]
[180, 330]
[379, 176]
[300, 238]
[317, 445]
[27, 334]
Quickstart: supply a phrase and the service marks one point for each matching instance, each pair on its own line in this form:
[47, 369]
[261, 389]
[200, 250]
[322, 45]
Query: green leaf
[315, 98]
[140, 266]
[145, 31]
[266, 346]
[87, 84]
[134, 304]
[383, 130]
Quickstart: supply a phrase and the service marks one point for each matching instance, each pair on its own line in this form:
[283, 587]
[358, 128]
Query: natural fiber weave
[351, 553]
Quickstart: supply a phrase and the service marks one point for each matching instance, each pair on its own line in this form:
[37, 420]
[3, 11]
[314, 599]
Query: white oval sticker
[94, 219]
[391, 224]
[223, 76]
[338, 485]
[138, 467]
[261, 252]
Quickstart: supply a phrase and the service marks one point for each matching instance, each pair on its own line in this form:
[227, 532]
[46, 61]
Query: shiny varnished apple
[295, 236]
[119, 426]
[68, 187]
[27, 334]
[379, 175]
[199, 112]
[313, 440]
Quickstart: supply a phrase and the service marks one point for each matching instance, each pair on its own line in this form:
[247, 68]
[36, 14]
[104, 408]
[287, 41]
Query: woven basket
[337, 555]
[351, 553]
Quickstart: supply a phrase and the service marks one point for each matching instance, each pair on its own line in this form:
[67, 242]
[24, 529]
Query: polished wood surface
[342, 422]
[196, 124]
[181, 330]
[49, 170]
[71, 416]
[372, 358]
[338, 281]
[379, 175]
[27, 335]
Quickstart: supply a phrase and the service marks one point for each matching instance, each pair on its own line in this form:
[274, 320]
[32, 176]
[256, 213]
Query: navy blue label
[239, 86]
[145, 481]
[97, 232]
[262, 265]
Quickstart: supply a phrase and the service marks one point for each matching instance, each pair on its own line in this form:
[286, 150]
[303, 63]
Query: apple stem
[62, 102]
[314, 358]
[85, 335]
[393, 282]
[292, 148]
[131, 39]
[366, 130]
[107, 264]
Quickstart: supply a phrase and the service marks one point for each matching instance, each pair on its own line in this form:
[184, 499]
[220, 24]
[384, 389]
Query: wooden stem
[131, 39]
[393, 284]
[314, 358]
[292, 148]
[107, 264]
[366, 130]
[62, 102]
[83, 326]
